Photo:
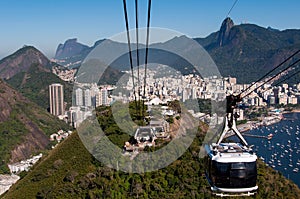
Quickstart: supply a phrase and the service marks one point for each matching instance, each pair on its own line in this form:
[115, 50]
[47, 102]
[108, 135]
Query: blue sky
[46, 23]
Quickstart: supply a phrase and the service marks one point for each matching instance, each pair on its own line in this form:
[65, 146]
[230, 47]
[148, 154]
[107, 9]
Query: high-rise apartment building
[56, 97]
[102, 98]
[78, 97]
[87, 98]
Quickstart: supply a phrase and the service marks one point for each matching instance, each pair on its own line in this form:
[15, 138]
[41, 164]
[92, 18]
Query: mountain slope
[21, 61]
[247, 48]
[34, 84]
[72, 53]
[24, 127]
[70, 48]
[238, 50]
[30, 72]
[69, 171]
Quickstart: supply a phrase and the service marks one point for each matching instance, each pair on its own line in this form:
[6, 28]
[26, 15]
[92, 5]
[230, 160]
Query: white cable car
[231, 167]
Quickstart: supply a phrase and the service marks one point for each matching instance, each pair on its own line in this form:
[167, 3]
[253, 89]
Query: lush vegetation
[112, 130]
[11, 132]
[24, 117]
[45, 121]
[251, 48]
[69, 171]
[34, 85]
[256, 112]
[199, 105]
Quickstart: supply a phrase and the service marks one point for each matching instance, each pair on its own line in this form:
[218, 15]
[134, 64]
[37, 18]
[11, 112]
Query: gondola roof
[230, 152]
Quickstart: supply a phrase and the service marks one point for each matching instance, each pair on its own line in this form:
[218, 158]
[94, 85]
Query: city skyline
[45, 24]
[174, 86]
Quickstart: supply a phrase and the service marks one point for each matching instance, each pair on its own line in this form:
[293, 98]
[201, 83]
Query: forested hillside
[69, 171]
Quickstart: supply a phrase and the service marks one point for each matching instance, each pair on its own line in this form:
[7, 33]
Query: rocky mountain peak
[226, 26]
[70, 48]
[21, 61]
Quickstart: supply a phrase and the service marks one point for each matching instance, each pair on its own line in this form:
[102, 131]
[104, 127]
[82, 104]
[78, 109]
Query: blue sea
[282, 152]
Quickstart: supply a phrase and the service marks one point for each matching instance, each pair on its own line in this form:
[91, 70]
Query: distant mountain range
[248, 51]
[238, 50]
[244, 51]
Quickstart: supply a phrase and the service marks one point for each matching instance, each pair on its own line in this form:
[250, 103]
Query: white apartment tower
[87, 98]
[103, 97]
[56, 98]
[78, 97]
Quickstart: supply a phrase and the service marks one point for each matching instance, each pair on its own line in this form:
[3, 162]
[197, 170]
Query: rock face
[71, 53]
[70, 48]
[248, 51]
[6, 181]
[33, 142]
[225, 31]
[8, 99]
[21, 61]
[24, 127]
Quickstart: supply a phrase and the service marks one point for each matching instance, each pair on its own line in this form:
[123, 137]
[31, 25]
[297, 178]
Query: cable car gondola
[231, 167]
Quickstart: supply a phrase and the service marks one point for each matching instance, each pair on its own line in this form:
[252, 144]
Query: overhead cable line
[129, 49]
[231, 8]
[137, 47]
[147, 50]
[287, 78]
[287, 68]
[279, 65]
[232, 100]
[147, 44]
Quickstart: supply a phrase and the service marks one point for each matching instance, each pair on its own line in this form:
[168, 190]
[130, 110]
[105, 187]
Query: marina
[282, 152]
